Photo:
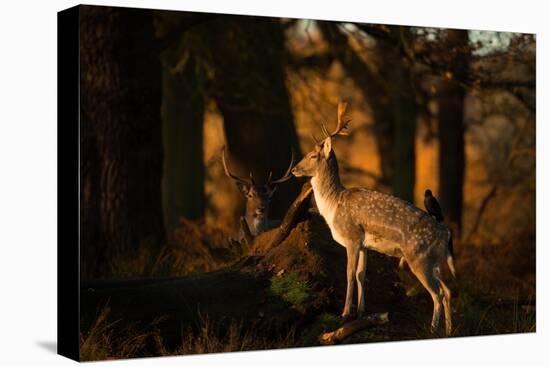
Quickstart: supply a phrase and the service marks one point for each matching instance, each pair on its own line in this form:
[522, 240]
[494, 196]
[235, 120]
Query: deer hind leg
[360, 277]
[427, 276]
[446, 293]
[353, 257]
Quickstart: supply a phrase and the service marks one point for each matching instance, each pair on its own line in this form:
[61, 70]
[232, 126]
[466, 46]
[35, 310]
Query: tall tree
[182, 132]
[404, 110]
[183, 106]
[121, 156]
[246, 58]
[451, 127]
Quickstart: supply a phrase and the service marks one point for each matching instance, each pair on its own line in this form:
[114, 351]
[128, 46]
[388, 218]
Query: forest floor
[203, 294]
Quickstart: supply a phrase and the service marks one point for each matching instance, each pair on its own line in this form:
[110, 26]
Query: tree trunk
[250, 92]
[403, 105]
[392, 99]
[182, 132]
[120, 134]
[90, 247]
[404, 176]
[451, 131]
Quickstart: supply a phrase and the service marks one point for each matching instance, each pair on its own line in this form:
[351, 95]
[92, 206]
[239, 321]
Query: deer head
[258, 196]
[319, 157]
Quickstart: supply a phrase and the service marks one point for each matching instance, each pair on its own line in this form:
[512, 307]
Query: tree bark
[182, 135]
[120, 134]
[403, 105]
[451, 131]
[404, 177]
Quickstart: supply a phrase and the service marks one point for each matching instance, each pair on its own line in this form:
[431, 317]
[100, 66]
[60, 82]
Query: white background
[28, 171]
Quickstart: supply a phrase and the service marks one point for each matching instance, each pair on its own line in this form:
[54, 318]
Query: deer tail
[450, 256]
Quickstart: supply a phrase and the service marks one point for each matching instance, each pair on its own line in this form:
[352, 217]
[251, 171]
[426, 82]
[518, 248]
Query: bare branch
[292, 216]
[339, 335]
[482, 207]
[248, 238]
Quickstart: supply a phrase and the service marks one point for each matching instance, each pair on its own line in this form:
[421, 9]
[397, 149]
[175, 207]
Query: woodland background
[162, 92]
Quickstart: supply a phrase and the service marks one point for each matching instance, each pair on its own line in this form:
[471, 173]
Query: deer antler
[232, 176]
[341, 124]
[287, 174]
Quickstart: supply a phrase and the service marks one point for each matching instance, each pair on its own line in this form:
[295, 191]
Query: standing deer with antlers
[361, 219]
[258, 198]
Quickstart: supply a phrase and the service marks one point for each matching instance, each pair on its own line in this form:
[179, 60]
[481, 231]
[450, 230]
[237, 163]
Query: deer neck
[256, 224]
[327, 188]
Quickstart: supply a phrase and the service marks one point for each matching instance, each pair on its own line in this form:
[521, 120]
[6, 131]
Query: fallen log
[248, 237]
[298, 207]
[350, 328]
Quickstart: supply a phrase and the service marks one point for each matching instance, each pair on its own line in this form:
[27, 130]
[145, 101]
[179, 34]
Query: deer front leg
[360, 277]
[352, 252]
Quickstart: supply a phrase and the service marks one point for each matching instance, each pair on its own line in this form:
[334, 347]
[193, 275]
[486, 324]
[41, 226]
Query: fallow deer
[258, 198]
[361, 219]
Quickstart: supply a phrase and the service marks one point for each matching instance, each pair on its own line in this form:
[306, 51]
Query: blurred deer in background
[258, 197]
[361, 219]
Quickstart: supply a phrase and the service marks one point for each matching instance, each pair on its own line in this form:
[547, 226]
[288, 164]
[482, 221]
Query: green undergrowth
[291, 287]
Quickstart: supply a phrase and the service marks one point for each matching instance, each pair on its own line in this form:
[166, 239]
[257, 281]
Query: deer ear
[243, 188]
[327, 147]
